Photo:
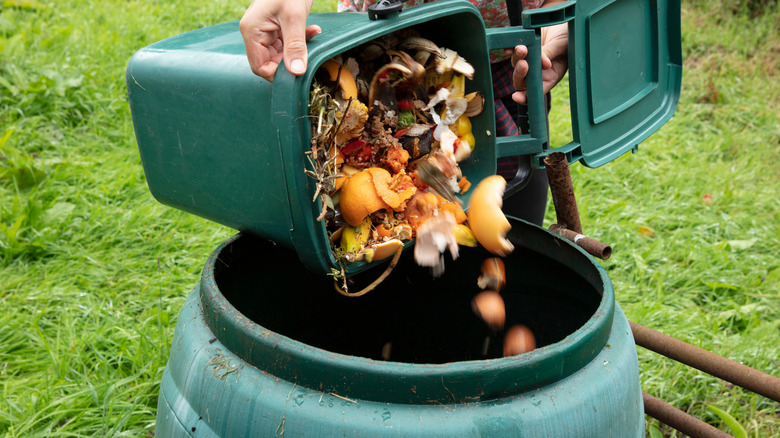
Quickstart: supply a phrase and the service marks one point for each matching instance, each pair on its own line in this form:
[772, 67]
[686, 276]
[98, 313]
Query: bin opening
[425, 320]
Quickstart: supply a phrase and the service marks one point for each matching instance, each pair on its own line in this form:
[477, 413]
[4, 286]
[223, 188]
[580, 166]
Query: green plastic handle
[534, 141]
[549, 16]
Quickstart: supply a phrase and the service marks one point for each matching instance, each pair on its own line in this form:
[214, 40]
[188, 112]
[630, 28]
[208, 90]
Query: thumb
[294, 35]
[546, 59]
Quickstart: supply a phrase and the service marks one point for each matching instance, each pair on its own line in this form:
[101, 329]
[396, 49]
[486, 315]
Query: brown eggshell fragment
[493, 274]
[489, 306]
[519, 339]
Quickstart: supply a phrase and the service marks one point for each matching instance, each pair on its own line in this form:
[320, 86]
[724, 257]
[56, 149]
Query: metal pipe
[562, 191]
[682, 421]
[592, 246]
[701, 359]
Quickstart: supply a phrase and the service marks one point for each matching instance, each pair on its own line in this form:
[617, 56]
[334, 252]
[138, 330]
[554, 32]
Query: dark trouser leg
[530, 203]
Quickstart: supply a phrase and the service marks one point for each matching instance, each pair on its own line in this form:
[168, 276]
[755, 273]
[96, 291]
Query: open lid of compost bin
[625, 71]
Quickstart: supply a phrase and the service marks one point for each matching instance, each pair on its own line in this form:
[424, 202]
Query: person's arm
[274, 30]
[555, 60]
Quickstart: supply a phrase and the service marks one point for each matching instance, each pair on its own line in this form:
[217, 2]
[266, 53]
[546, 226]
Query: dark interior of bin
[426, 319]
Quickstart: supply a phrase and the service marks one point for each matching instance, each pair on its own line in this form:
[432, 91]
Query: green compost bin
[264, 347]
[219, 142]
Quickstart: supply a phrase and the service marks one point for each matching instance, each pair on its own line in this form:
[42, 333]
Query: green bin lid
[625, 71]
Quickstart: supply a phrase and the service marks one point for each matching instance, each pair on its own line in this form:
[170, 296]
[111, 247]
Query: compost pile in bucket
[390, 125]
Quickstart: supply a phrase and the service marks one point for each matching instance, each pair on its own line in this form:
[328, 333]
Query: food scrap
[489, 306]
[390, 125]
[488, 222]
[518, 339]
[493, 274]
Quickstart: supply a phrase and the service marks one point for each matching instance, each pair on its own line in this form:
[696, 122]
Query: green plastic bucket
[222, 143]
[264, 347]
[219, 142]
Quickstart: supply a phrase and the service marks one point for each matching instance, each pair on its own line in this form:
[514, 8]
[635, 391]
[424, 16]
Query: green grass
[93, 271]
[694, 216]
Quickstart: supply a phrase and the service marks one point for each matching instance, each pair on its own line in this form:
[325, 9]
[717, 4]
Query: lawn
[94, 271]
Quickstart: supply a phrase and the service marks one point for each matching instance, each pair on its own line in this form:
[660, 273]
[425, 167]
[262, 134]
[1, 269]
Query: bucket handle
[536, 140]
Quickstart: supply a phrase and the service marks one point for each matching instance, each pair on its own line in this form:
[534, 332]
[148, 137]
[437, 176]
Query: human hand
[274, 30]
[555, 61]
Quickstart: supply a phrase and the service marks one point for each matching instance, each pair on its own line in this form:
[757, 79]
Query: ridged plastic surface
[208, 392]
[231, 377]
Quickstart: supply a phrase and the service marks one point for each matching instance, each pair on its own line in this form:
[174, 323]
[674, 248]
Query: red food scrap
[357, 151]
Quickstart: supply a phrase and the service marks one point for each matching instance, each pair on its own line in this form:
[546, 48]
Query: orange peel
[368, 191]
[464, 185]
[340, 74]
[359, 198]
[383, 231]
[382, 182]
[452, 207]
[487, 221]
[339, 182]
[386, 249]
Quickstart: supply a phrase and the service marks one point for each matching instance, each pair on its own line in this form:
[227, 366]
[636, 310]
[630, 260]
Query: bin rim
[446, 383]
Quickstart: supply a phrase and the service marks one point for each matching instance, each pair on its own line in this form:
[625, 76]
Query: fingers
[276, 29]
[520, 97]
[266, 70]
[546, 62]
[292, 21]
[555, 59]
[263, 59]
[312, 31]
[520, 70]
[518, 53]
[552, 71]
[261, 40]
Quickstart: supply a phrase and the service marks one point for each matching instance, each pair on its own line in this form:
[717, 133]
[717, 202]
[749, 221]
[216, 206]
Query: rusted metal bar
[701, 359]
[680, 420]
[562, 191]
[592, 246]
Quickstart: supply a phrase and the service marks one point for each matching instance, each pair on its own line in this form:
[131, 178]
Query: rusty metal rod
[680, 420]
[701, 359]
[592, 246]
[562, 190]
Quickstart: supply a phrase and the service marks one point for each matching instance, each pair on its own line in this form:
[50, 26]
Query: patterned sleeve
[494, 12]
[532, 4]
[362, 5]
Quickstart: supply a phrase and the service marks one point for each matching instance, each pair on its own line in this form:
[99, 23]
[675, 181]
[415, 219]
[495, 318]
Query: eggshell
[519, 339]
[493, 274]
[489, 306]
